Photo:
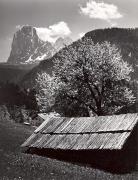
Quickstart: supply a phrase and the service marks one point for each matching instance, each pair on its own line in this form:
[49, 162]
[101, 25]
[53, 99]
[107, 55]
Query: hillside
[13, 73]
[28, 80]
[125, 39]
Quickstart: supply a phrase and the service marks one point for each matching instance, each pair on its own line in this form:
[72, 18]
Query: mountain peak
[28, 29]
[27, 47]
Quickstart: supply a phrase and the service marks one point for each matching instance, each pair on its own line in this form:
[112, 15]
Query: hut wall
[130, 150]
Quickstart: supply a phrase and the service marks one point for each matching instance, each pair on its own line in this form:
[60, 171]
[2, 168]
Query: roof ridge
[96, 132]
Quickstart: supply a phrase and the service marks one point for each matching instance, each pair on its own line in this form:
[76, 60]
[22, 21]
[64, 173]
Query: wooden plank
[105, 141]
[99, 140]
[34, 143]
[68, 125]
[44, 139]
[98, 124]
[123, 121]
[43, 116]
[90, 124]
[49, 140]
[85, 124]
[60, 129]
[92, 141]
[129, 122]
[82, 142]
[68, 141]
[40, 128]
[135, 122]
[55, 140]
[76, 126]
[121, 141]
[103, 123]
[119, 121]
[31, 140]
[110, 124]
[38, 142]
[76, 141]
[53, 124]
[112, 139]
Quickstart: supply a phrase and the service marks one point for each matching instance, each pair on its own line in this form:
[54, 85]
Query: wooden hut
[108, 142]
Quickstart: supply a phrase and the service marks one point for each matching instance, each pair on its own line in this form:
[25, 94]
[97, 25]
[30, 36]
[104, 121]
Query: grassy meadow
[15, 165]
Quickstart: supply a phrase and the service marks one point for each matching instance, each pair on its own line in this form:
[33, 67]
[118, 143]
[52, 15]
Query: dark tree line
[11, 94]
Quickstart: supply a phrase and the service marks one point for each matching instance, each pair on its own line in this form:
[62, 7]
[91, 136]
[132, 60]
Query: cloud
[18, 26]
[51, 33]
[81, 34]
[113, 24]
[101, 10]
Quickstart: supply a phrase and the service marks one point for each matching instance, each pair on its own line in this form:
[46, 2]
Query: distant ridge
[126, 39]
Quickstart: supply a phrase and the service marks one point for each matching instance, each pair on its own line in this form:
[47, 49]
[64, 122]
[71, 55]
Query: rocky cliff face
[28, 48]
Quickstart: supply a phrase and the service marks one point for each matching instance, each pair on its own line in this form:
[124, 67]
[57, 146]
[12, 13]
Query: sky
[55, 18]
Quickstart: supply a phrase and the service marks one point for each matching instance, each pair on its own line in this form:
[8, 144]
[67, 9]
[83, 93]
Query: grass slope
[15, 165]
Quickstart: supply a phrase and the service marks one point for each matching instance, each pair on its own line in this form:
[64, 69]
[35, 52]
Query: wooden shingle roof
[103, 132]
